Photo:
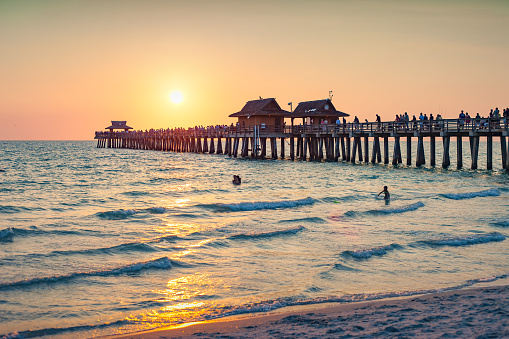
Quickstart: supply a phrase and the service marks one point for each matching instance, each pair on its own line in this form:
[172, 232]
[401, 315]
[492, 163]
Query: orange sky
[69, 67]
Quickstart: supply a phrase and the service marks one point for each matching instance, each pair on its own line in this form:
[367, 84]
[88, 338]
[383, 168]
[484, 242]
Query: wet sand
[470, 313]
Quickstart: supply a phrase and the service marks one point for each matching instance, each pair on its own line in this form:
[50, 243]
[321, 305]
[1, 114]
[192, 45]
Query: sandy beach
[471, 313]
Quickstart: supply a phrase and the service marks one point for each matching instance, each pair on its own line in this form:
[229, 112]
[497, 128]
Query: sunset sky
[67, 68]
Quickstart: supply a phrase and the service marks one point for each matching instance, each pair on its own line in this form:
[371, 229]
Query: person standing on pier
[462, 118]
[356, 122]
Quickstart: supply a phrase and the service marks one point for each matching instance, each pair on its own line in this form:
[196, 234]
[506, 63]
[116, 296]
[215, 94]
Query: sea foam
[469, 195]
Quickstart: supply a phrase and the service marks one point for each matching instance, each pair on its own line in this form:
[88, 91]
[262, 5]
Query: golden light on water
[178, 291]
[178, 188]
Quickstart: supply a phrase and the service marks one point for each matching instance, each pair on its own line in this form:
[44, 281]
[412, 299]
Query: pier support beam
[474, 151]
[307, 144]
[459, 151]
[263, 148]
[235, 146]
[446, 160]
[348, 149]
[343, 152]
[376, 156]
[292, 148]
[273, 148]
[396, 156]
[421, 160]
[366, 149]
[386, 149]
[359, 147]
[409, 151]
[489, 152]
[212, 149]
[337, 154]
[245, 147]
[432, 154]
[503, 147]
[219, 146]
[320, 148]
[205, 145]
[354, 150]
[282, 148]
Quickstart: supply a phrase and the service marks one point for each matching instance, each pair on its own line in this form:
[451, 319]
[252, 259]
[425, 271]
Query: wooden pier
[345, 142]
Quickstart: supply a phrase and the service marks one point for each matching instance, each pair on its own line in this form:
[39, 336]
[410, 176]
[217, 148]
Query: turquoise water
[101, 241]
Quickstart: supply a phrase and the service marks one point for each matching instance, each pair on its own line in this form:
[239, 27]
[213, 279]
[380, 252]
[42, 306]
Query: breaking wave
[263, 205]
[268, 234]
[116, 215]
[500, 223]
[317, 220]
[466, 240]
[160, 263]
[368, 253]
[9, 233]
[270, 305]
[402, 209]
[157, 210]
[123, 248]
[6, 234]
[16, 209]
[469, 195]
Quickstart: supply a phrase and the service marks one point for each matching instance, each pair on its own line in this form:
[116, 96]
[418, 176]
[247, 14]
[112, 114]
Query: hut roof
[260, 107]
[317, 108]
[119, 125]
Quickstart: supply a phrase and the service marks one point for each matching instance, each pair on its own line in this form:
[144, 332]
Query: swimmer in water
[236, 180]
[387, 196]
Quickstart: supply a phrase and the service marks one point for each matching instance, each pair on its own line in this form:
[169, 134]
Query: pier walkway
[346, 142]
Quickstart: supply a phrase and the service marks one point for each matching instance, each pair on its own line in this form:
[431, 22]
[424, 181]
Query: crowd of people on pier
[425, 122]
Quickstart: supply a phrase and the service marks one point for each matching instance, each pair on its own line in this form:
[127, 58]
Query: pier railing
[486, 125]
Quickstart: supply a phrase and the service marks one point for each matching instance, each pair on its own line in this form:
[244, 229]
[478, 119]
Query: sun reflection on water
[178, 188]
[178, 295]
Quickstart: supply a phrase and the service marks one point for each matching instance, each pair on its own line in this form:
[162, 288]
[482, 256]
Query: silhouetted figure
[236, 180]
[387, 196]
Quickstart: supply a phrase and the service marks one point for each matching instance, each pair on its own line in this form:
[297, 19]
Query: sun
[176, 97]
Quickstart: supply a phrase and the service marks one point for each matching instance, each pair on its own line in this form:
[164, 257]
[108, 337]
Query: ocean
[106, 241]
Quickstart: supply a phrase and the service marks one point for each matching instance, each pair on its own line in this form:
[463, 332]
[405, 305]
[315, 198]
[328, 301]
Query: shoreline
[472, 312]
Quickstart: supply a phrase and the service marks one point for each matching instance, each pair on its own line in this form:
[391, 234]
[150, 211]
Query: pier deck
[346, 142]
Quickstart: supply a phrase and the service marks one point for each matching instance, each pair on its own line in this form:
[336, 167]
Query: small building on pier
[118, 125]
[261, 112]
[317, 111]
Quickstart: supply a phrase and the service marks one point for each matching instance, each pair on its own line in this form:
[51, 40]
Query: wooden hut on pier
[317, 111]
[262, 119]
[118, 125]
[262, 112]
[112, 138]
